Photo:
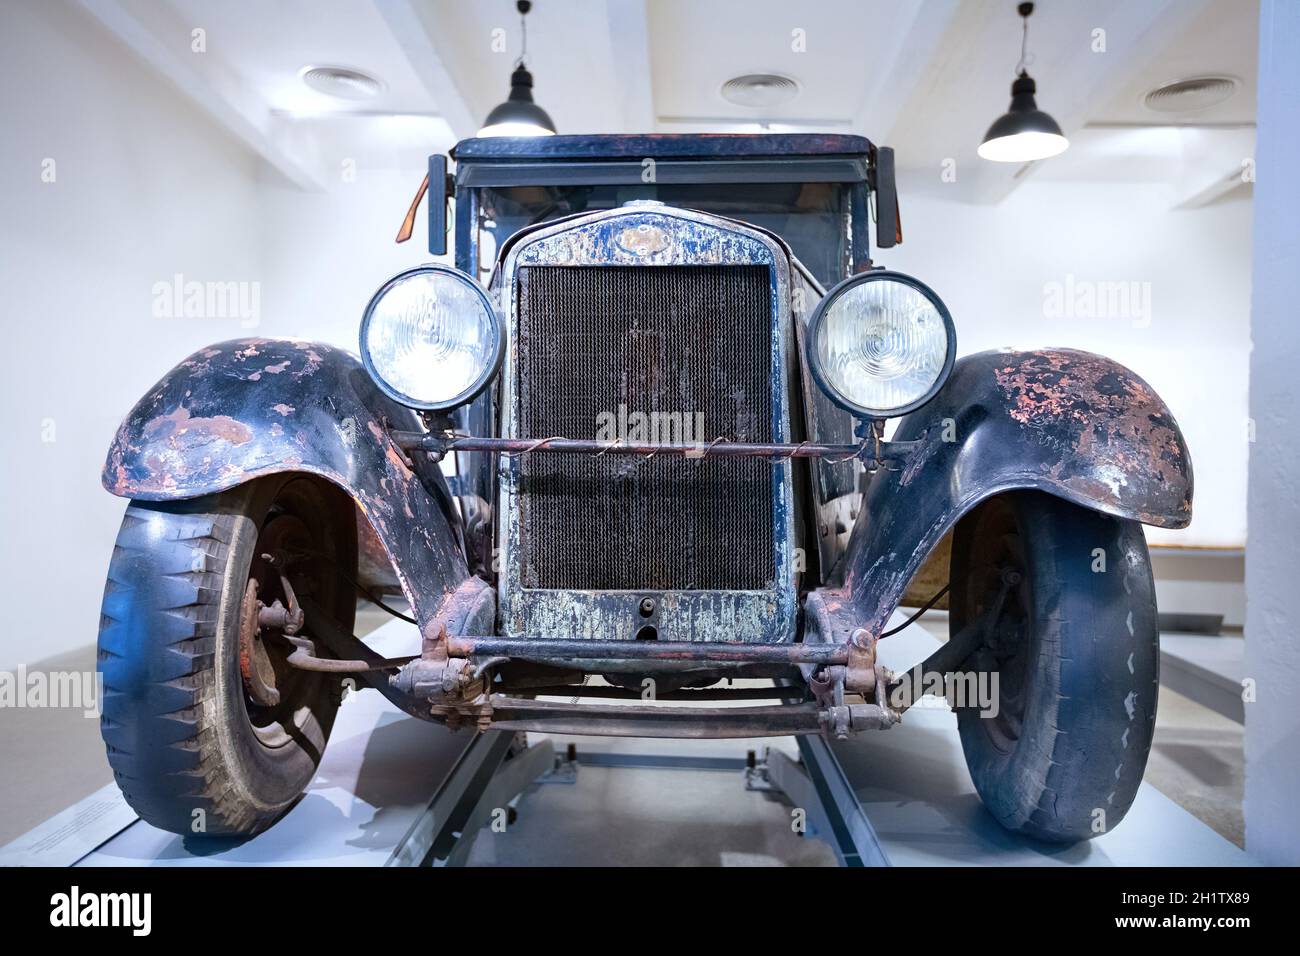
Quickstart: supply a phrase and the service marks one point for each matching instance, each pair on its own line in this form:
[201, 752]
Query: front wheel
[208, 729]
[1073, 655]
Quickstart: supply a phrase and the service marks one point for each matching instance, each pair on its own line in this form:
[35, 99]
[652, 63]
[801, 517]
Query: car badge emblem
[643, 240]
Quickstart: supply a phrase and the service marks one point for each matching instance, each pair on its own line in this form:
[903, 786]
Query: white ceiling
[269, 44]
[696, 47]
[924, 76]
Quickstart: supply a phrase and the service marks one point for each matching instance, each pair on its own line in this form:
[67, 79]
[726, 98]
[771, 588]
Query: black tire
[1076, 650]
[190, 750]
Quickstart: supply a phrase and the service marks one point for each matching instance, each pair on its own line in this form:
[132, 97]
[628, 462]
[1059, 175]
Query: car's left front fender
[1067, 423]
[247, 408]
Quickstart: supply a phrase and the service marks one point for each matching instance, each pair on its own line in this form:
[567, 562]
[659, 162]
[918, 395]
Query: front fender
[252, 407]
[1068, 423]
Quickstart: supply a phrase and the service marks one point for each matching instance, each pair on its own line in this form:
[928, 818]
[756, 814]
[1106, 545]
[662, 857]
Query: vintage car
[660, 456]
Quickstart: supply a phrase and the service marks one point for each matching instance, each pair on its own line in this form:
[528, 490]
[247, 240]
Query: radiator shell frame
[676, 237]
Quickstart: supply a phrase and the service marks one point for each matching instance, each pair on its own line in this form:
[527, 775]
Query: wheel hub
[254, 661]
[260, 660]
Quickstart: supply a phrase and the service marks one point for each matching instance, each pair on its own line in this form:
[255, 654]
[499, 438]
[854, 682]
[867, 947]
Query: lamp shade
[518, 115]
[1024, 132]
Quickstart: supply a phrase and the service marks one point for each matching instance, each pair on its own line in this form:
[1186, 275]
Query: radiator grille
[648, 339]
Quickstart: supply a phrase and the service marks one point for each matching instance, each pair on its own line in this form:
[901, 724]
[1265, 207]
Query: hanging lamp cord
[523, 6]
[1025, 9]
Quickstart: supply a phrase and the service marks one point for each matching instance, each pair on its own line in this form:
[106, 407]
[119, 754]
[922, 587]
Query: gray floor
[54, 758]
[1198, 762]
[686, 817]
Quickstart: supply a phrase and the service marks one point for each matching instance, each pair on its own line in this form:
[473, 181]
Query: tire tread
[160, 615]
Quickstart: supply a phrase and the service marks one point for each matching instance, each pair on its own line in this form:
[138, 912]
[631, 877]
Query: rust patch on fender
[179, 429]
[1044, 387]
[1089, 408]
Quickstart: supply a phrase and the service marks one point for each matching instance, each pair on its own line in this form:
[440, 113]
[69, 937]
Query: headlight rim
[466, 395]
[814, 360]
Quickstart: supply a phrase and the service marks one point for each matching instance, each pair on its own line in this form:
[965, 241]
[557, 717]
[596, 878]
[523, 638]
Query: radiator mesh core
[684, 353]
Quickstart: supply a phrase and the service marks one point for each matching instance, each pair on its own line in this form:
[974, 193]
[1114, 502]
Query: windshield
[813, 218]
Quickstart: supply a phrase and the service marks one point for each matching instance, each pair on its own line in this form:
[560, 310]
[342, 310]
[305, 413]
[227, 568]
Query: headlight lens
[430, 338]
[881, 344]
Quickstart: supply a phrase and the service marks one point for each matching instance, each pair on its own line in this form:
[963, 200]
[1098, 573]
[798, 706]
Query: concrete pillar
[1272, 802]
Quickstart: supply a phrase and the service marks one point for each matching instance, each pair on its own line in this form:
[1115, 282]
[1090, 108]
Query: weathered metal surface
[1068, 423]
[563, 650]
[584, 161]
[441, 445]
[682, 353]
[374, 571]
[254, 662]
[651, 235]
[252, 407]
[304, 657]
[718, 693]
[621, 720]
[470, 609]
[658, 146]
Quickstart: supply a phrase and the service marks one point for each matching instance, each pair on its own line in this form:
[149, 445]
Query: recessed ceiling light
[760, 89]
[1191, 94]
[342, 83]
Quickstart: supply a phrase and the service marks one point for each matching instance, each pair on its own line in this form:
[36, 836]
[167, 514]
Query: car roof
[682, 158]
[659, 146]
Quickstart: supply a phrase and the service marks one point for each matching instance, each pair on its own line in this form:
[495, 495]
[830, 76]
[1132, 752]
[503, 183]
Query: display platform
[630, 801]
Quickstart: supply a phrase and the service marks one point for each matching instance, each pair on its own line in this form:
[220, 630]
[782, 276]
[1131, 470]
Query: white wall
[327, 253]
[145, 187]
[1272, 652]
[992, 264]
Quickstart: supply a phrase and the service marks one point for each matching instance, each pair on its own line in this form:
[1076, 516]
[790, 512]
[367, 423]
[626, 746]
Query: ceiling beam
[1221, 186]
[924, 24]
[629, 49]
[1137, 34]
[1224, 163]
[413, 28]
[163, 42]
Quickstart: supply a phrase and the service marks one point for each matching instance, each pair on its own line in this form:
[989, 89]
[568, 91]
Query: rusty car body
[536, 554]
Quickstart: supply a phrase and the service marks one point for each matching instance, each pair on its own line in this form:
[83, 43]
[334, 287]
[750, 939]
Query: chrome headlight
[881, 344]
[430, 338]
